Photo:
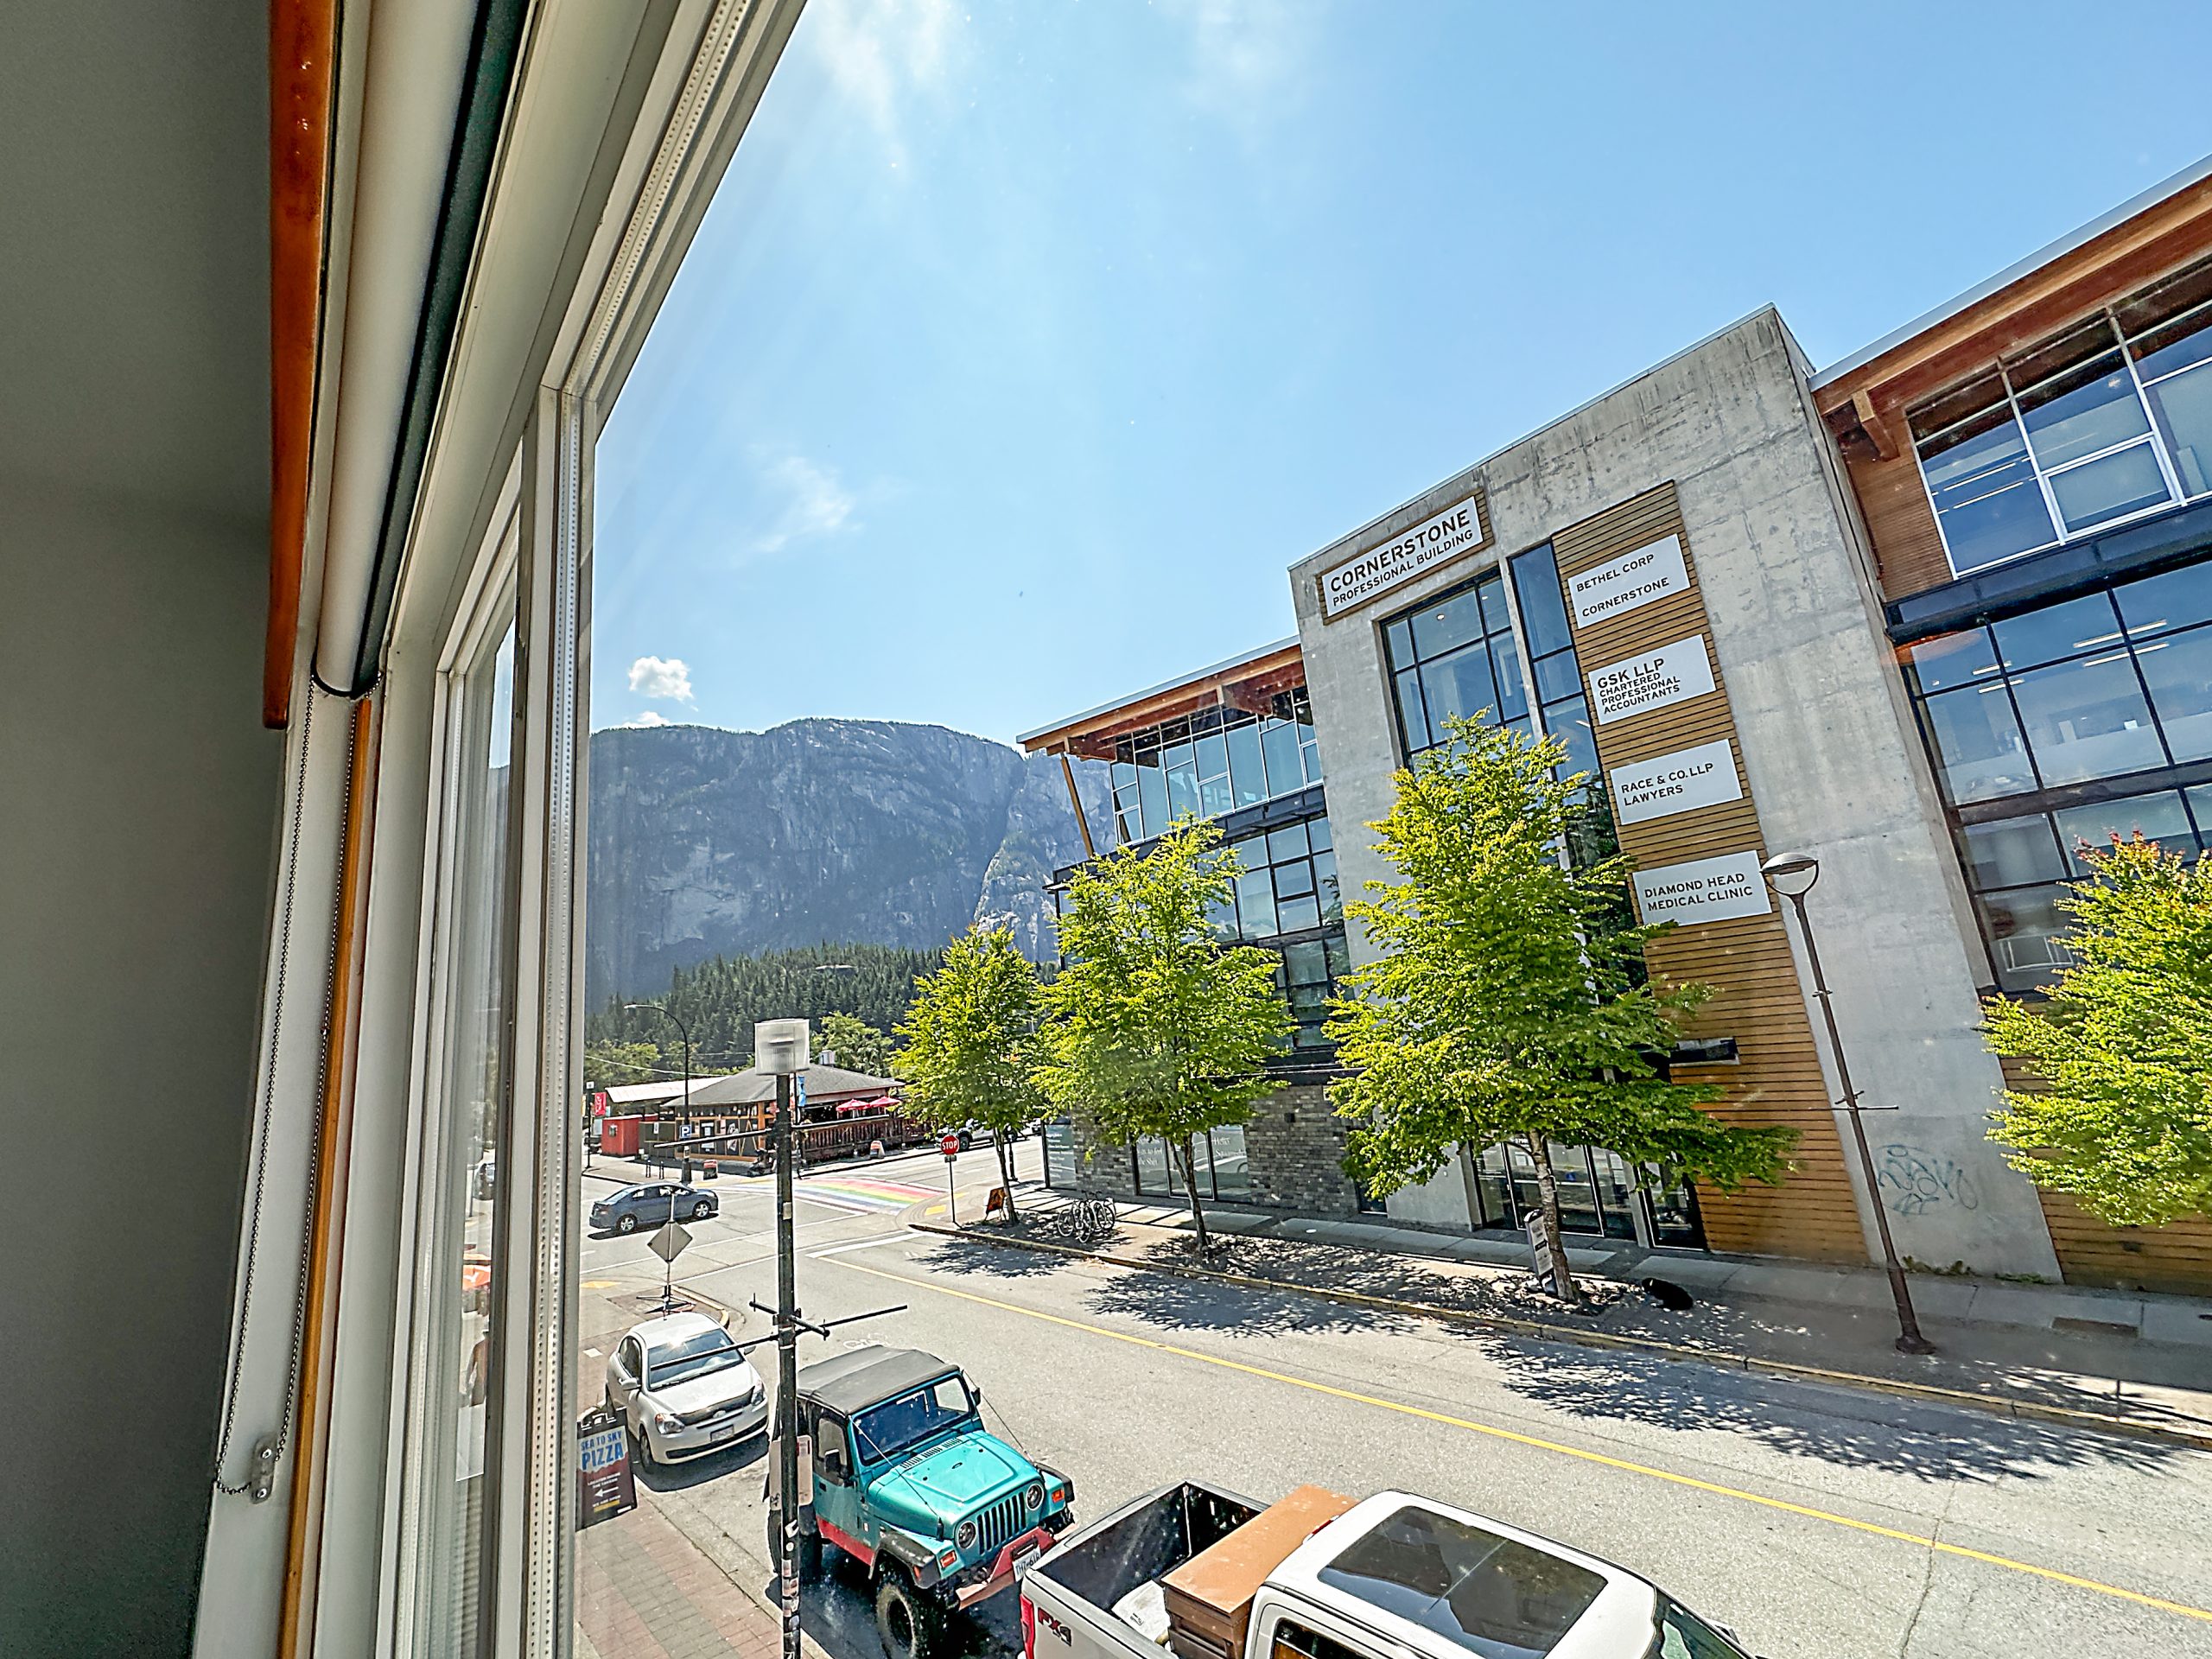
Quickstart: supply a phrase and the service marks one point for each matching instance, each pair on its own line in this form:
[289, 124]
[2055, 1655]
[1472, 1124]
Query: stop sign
[949, 1144]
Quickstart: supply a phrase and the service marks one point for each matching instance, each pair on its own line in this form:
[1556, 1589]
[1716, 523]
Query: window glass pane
[1246, 770]
[1311, 753]
[1442, 625]
[2023, 929]
[1951, 660]
[1339, 956]
[1232, 1170]
[1578, 1194]
[1221, 918]
[2109, 487]
[1490, 592]
[1152, 1166]
[1285, 770]
[2166, 312]
[1459, 684]
[2160, 817]
[1986, 397]
[1570, 723]
[2200, 802]
[2173, 600]
[448, 1525]
[1543, 609]
[1325, 875]
[2012, 853]
[1512, 690]
[2078, 626]
[1152, 795]
[1292, 914]
[2180, 344]
[1256, 904]
[1305, 963]
[1985, 492]
[1213, 756]
[2183, 406]
[2086, 719]
[1182, 780]
[2178, 671]
[1287, 842]
[1398, 642]
[1558, 676]
[1124, 776]
[1214, 798]
[1978, 744]
[2089, 408]
[1293, 879]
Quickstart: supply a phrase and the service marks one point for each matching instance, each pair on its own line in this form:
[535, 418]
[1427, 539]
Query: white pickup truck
[1393, 1577]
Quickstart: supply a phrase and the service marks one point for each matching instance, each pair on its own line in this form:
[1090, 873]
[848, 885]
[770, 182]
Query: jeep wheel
[911, 1624]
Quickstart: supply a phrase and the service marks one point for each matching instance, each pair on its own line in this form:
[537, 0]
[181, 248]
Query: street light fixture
[1792, 875]
[780, 1049]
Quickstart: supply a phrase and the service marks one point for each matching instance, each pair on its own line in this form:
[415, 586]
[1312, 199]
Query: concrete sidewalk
[2139, 1363]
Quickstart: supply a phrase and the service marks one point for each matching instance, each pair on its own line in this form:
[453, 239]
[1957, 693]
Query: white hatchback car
[683, 1389]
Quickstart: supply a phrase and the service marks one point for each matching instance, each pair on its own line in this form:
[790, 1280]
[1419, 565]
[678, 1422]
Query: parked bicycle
[1095, 1219]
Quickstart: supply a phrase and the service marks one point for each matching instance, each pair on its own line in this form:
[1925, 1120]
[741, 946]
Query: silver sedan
[683, 1389]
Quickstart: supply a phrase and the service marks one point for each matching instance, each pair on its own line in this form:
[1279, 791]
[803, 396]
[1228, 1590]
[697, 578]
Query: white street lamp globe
[779, 1047]
[1791, 874]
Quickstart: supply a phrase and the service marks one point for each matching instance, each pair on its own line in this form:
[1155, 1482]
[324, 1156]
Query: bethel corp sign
[1438, 538]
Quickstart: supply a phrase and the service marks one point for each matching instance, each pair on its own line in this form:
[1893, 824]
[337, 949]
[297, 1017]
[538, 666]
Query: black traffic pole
[779, 1046]
[676, 1020]
[1792, 875]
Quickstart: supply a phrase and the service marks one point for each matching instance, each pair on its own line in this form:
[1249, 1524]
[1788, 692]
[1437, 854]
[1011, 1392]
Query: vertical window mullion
[2035, 463]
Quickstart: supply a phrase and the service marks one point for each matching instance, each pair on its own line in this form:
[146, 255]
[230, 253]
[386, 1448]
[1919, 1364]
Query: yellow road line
[1542, 1445]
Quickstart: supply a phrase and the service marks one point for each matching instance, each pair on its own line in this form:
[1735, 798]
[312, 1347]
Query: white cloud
[662, 678]
[815, 503]
[1247, 57]
[878, 52]
[651, 717]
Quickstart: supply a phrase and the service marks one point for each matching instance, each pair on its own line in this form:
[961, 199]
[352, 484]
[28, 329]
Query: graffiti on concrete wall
[1914, 1180]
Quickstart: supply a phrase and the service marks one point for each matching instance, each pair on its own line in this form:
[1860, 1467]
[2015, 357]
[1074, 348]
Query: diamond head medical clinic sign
[1460, 529]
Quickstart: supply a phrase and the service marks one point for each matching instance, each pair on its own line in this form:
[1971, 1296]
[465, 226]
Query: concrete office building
[1738, 591]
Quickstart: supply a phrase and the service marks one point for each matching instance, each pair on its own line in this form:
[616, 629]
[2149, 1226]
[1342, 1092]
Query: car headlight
[666, 1422]
[965, 1537]
[1034, 1497]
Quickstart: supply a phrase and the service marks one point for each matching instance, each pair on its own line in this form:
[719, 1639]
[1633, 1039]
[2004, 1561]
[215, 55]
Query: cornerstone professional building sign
[1460, 528]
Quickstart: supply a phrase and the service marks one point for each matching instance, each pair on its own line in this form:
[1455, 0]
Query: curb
[2000, 1405]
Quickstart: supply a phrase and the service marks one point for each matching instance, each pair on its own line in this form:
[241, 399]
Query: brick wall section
[1295, 1145]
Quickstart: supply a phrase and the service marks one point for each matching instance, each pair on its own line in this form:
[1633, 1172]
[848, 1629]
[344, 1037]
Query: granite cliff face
[707, 842]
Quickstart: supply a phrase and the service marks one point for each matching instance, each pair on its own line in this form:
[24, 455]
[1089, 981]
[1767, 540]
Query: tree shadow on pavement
[992, 1259]
[1499, 1293]
[838, 1612]
[1838, 1424]
[1170, 1300]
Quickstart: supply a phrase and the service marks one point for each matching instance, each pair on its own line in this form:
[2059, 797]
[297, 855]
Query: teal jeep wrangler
[938, 1512]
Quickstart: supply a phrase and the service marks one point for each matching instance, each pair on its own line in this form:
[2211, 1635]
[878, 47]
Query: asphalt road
[1822, 1524]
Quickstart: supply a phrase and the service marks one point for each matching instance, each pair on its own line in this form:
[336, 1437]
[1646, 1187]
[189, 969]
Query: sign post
[949, 1144]
[669, 1243]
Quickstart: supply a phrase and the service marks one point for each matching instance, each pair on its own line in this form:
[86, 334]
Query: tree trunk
[1191, 1186]
[1005, 1171]
[1548, 1201]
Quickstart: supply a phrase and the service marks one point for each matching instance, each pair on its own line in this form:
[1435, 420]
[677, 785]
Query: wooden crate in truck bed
[1209, 1598]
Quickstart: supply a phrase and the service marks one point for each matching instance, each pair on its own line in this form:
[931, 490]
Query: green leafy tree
[969, 1043]
[858, 1045]
[2123, 1049]
[613, 1065]
[1509, 1003]
[1158, 1029]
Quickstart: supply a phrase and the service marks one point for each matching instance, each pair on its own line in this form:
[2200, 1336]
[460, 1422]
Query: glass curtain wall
[1212, 762]
[2110, 419]
[1223, 1167]
[2068, 724]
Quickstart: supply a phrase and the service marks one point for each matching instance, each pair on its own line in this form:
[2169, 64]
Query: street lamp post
[779, 1048]
[1792, 875]
[676, 1020]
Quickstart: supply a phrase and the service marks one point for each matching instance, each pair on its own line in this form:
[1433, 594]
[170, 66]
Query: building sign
[605, 1486]
[1681, 782]
[1652, 679]
[1703, 890]
[1618, 585]
[1436, 540]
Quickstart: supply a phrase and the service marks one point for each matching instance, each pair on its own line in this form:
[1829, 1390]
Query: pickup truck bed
[1072, 1592]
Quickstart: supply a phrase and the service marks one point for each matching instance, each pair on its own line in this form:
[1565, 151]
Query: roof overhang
[1251, 681]
[2104, 260]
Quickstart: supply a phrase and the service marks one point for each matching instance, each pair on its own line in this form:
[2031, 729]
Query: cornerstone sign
[1618, 585]
[1438, 539]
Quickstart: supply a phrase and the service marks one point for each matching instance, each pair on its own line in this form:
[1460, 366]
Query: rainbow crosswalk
[859, 1193]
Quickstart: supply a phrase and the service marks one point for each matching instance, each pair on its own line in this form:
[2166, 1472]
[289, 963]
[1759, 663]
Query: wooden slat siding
[1908, 556]
[2175, 1257]
[1757, 997]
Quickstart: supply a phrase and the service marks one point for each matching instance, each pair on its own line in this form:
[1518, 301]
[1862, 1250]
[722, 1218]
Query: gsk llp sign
[1461, 528]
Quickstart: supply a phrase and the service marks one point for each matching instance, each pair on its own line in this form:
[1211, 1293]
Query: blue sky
[1027, 345]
